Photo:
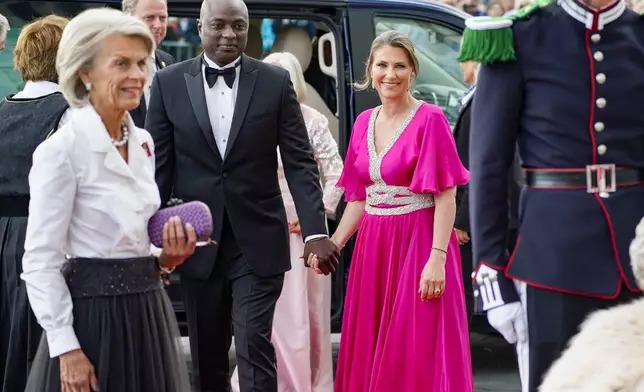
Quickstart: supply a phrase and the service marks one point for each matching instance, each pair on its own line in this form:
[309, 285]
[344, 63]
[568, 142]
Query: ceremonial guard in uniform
[566, 81]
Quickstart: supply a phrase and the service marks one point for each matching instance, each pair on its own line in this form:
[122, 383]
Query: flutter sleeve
[438, 166]
[354, 188]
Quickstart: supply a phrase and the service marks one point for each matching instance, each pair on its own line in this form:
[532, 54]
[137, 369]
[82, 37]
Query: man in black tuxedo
[217, 122]
[153, 13]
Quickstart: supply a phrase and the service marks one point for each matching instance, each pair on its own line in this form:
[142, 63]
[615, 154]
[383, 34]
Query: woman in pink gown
[404, 326]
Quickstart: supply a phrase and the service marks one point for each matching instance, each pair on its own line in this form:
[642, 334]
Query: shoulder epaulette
[489, 39]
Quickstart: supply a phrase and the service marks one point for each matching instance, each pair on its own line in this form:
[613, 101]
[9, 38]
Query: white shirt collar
[37, 89]
[212, 64]
[593, 19]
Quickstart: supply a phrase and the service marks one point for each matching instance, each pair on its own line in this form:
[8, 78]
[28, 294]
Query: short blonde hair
[394, 39]
[36, 48]
[289, 62]
[4, 27]
[80, 45]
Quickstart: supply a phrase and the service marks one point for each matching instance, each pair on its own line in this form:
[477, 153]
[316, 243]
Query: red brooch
[147, 149]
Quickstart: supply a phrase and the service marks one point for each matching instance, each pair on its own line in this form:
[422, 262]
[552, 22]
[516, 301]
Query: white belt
[400, 198]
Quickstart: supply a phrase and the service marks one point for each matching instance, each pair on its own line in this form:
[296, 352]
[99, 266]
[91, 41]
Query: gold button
[600, 78]
[599, 126]
[595, 38]
[601, 103]
[599, 56]
[601, 149]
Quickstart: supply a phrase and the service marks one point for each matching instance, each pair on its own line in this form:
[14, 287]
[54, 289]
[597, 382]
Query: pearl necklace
[125, 135]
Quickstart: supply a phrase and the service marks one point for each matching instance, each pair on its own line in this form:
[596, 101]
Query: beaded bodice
[382, 198]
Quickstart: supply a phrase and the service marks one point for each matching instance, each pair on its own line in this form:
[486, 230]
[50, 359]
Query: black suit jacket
[462, 138]
[243, 184]
[515, 176]
[162, 59]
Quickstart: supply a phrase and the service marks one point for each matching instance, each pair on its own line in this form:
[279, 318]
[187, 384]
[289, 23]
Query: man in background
[4, 28]
[153, 13]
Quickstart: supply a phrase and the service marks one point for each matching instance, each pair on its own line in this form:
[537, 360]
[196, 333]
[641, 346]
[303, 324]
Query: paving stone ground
[493, 362]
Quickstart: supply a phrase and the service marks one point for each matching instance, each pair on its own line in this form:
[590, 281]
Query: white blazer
[86, 201]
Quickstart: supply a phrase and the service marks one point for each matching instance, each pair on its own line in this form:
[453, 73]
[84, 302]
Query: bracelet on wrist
[162, 268]
[440, 250]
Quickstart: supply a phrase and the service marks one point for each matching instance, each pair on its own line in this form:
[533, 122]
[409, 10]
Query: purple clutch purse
[194, 212]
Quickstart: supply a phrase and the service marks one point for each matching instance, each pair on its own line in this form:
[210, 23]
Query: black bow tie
[229, 74]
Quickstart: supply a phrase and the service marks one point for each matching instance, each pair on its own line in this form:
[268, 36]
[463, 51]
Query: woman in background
[302, 322]
[404, 325]
[26, 119]
[92, 281]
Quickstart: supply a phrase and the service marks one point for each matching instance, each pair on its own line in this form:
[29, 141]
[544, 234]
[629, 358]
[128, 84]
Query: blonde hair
[80, 45]
[394, 39]
[289, 62]
[36, 48]
[4, 27]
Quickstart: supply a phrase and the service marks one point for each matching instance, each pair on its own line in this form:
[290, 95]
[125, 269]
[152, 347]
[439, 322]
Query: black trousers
[467, 266]
[232, 299]
[554, 318]
[19, 330]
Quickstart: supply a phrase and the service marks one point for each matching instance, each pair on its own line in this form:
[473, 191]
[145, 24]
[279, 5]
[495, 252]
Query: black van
[336, 45]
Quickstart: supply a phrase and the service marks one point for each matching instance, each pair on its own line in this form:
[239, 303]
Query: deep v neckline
[375, 159]
[393, 138]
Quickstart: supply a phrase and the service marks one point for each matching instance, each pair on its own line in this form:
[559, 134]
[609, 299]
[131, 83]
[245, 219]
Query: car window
[440, 81]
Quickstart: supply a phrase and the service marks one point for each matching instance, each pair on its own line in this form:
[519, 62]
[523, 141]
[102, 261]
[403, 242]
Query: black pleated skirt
[19, 331]
[126, 327]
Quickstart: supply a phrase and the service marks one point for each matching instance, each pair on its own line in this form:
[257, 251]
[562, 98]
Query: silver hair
[129, 6]
[80, 44]
[4, 27]
[289, 62]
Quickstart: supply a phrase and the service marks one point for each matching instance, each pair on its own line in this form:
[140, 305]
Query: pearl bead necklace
[124, 136]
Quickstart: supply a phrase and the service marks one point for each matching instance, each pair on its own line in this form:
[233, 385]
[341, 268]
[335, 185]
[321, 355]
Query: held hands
[77, 373]
[178, 244]
[432, 279]
[322, 255]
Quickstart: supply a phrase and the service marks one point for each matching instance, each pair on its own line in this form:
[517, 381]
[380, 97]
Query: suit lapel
[247, 79]
[195, 85]
[159, 57]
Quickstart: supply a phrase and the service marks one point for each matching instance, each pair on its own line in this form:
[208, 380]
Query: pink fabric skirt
[391, 340]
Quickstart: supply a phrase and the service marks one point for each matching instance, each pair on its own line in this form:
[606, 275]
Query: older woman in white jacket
[92, 281]
[607, 355]
[302, 322]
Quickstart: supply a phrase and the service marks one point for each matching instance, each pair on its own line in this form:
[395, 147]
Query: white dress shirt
[221, 100]
[86, 201]
[39, 89]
